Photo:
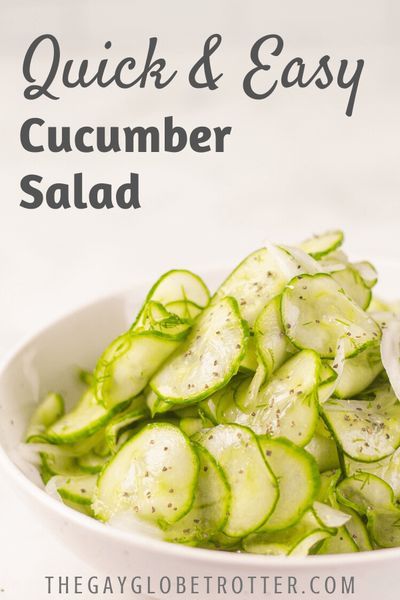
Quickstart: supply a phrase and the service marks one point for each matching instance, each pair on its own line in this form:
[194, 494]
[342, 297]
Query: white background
[294, 164]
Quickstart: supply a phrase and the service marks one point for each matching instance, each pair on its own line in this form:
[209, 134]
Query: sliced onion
[390, 354]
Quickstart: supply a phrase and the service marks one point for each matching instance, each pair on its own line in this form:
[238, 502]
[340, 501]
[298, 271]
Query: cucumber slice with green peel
[50, 410]
[84, 420]
[273, 346]
[175, 286]
[249, 362]
[384, 526]
[185, 309]
[328, 482]
[316, 314]
[210, 507]
[357, 529]
[297, 540]
[298, 478]
[366, 430]
[354, 286]
[254, 490]
[359, 372]
[246, 395]
[390, 351]
[158, 318]
[255, 281]
[364, 492]
[221, 541]
[191, 425]
[60, 464]
[367, 271]
[209, 357]
[387, 469]
[288, 403]
[127, 365]
[154, 475]
[157, 405]
[340, 543]
[322, 447]
[78, 490]
[92, 463]
[321, 245]
[121, 423]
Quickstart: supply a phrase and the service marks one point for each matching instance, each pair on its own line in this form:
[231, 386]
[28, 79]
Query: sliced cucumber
[367, 272]
[390, 349]
[384, 526]
[92, 463]
[387, 469]
[354, 286]
[322, 447]
[210, 507]
[191, 425]
[316, 314]
[321, 245]
[254, 491]
[208, 359]
[50, 410]
[78, 490]
[249, 361]
[84, 420]
[185, 309]
[255, 281]
[298, 478]
[154, 475]
[175, 286]
[357, 530]
[127, 365]
[246, 395]
[272, 344]
[60, 464]
[359, 372]
[288, 403]
[297, 540]
[340, 543]
[366, 430]
[121, 423]
[330, 517]
[327, 487]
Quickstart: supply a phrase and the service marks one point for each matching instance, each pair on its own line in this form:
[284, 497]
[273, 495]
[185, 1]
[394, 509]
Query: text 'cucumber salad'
[263, 419]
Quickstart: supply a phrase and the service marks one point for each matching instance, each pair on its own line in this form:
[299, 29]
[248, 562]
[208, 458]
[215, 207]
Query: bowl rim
[138, 539]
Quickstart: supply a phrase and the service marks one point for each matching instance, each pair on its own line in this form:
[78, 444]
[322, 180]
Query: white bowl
[48, 361]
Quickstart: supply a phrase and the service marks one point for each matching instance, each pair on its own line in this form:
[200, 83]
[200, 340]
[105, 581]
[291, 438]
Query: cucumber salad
[264, 418]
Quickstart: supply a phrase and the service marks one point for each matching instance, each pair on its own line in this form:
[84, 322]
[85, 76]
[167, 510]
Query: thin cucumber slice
[357, 530]
[157, 405]
[390, 350]
[255, 281]
[127, 365]
[340, 543]
[331, 375]
[297, 540]
[316, 314]
[60, 464]
[154, 475]
[321, 245]
[175, 286]
[328, 482]
[221, 407]
[92, 463]
[246, 395]
[288, 402]
[249, 361]
[78, 490]
[210, 507]
[50, 410]
[221, 541]
[322, 447]
[364, 492]
[359, 372]
[185, 309]
[354, 286]
[158, 318]
[209, 357]
[384, 526]
[272, 344]
[254, 490]
[298, 478]
[121, 423]
[387, 469]
[84, 420]
[366, 430]
[191, 425]
[367, 272]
